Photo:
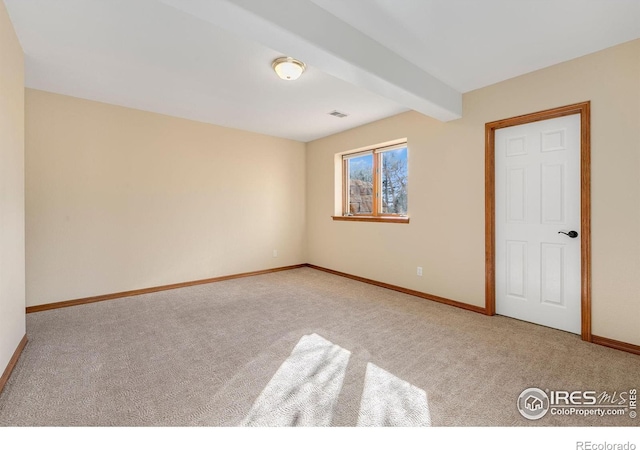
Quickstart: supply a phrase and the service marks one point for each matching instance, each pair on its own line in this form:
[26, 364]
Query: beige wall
[120, 199]
[446, 190]
[12, 321]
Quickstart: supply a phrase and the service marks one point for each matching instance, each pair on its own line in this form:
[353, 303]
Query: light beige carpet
[226, 354]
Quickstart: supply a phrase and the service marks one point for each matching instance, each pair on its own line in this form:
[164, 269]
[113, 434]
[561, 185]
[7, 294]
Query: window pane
[394, 181]
[360, 172]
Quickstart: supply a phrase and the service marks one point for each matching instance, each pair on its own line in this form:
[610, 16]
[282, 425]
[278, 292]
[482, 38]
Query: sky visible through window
[392, 182]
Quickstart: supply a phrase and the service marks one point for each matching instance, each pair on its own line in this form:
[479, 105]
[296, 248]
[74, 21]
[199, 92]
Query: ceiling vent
[339, 114]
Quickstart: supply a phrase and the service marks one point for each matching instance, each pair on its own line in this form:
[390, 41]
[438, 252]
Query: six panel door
[537, 196]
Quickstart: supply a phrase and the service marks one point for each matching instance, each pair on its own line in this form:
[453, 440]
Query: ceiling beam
[305, 31]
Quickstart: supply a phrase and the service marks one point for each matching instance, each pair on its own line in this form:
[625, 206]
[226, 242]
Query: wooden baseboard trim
[393, 287]
[618, 345]
[12, 362]
[612, 343]
[101, 298]
[606, 342]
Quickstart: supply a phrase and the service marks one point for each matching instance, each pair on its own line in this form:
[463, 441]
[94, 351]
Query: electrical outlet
[275, 253]
[419, 271]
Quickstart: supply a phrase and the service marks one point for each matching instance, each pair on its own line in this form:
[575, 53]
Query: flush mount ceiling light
[288, 68]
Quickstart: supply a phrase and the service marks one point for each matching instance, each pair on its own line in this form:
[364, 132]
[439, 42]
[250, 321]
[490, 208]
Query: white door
[537, 198]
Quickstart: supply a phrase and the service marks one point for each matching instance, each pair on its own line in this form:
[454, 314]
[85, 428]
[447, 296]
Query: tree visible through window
[394, 181]
[375, 182]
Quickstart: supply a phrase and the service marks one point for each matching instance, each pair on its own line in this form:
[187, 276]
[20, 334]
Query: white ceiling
[470, 44]
[210, 60]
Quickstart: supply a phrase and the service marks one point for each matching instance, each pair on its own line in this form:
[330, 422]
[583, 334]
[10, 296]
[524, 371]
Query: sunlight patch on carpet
[305, 389]
[389, 401]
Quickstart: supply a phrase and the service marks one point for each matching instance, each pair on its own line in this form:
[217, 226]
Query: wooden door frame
[584, 109]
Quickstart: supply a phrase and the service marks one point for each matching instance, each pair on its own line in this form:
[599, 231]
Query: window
[374, 185]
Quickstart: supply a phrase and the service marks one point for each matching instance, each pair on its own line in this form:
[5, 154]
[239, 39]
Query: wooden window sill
[383, 219]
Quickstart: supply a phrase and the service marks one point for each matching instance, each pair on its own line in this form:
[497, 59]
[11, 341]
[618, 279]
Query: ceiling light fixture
[288, 68]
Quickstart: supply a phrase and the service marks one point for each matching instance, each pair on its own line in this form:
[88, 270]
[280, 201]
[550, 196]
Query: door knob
[571, 234]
